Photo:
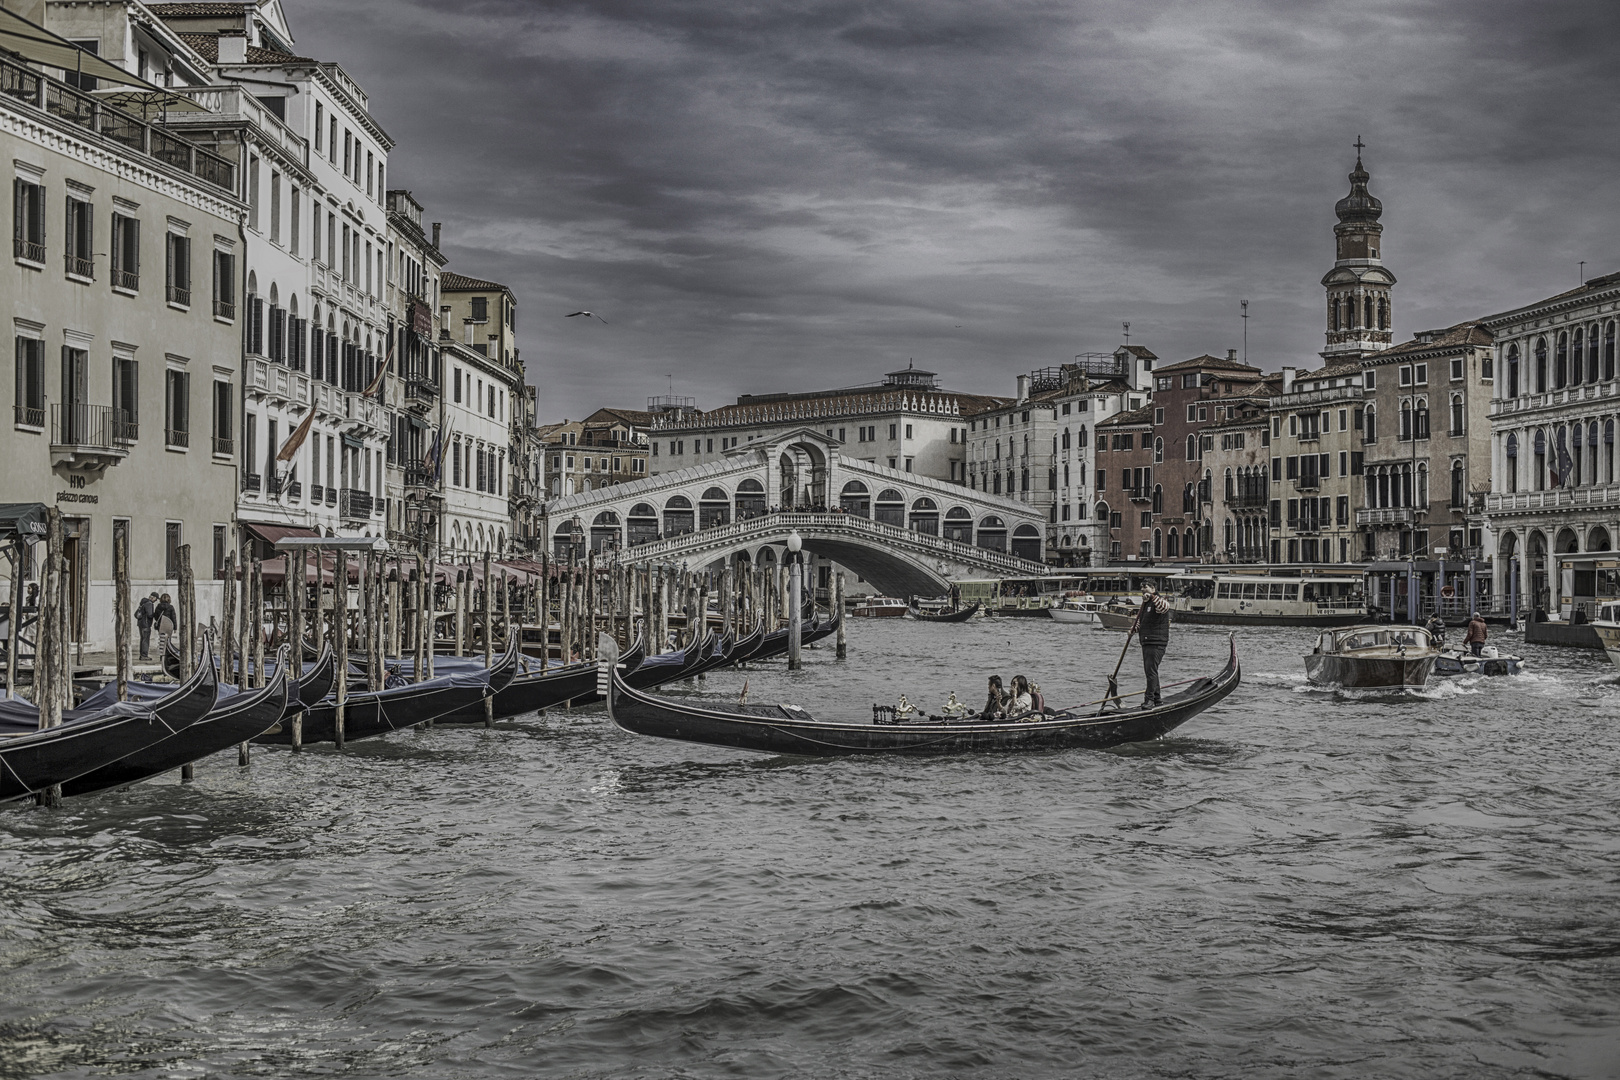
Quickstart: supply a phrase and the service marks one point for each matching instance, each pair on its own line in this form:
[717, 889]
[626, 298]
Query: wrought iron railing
[126, 279]
[27, 249]
[179, 438]
[250, 481]
[28, 417]
[225, 309]
[354, 503]
[178, 295]
[224, 447]
[85, 425]
[80, 267]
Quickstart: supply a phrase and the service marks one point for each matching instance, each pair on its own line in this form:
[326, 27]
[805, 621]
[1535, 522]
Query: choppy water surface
[1302, 883]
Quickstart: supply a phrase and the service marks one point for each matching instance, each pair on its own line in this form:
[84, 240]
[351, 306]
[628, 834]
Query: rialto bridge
[903, 533]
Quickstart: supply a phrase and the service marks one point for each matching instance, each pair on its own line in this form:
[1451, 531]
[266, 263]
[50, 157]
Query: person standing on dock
[1475, 637]
[1153, 631]
[167, 621]
[144, 617]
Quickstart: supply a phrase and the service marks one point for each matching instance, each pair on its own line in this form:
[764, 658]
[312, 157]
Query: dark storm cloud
[770, 196]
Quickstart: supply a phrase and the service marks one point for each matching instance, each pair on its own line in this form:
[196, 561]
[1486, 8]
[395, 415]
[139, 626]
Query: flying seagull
[588, 315]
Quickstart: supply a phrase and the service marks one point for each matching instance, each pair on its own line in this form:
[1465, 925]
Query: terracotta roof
[1144, 415]
[164, 11]
[1218, 362]
[1459, 336]
[1330, 371]
[635, 417]
[452, 282]
[1138, 351]
[207, 46]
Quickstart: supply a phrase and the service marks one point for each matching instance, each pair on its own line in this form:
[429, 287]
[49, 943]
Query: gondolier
[1153, 631]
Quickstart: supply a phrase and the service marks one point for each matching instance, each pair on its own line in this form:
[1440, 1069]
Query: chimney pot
[1287, 380]
[233, 47]
[1231, 354]
[436, 227]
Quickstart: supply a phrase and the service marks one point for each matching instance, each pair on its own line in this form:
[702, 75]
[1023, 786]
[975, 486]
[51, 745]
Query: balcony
[1138, 494]
[420, 392]
[1604, 497]
[225, 309]
[1247, 501]
[354, 504]
[87, 437]
[250, 481]
[1308, 483]
[77, 267]
[128, 280]
[272, 484]
[224, 447]
[1386, 515]
[23, 416]
[180, 296]
[295, 491]
[176, 438]
[331, 496]
[28, 251]
[317, 494]
[418, 477]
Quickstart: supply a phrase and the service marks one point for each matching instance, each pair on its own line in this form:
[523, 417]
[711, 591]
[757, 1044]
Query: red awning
[272, 533]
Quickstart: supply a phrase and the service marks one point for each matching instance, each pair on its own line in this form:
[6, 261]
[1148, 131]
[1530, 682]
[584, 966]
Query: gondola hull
[235, 718]
[787, 730]
[369, 715]
[960, 615]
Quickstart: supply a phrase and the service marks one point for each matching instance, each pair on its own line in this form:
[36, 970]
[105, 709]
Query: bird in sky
[588, 315]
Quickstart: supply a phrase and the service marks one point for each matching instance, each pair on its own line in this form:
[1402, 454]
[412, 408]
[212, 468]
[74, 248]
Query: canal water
[1299, 883]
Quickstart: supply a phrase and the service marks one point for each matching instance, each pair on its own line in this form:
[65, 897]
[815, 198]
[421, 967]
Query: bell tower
[1359, 315]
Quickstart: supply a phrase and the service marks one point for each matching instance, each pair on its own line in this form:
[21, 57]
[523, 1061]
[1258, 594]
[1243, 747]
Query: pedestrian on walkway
[167, 620]
[145, 615]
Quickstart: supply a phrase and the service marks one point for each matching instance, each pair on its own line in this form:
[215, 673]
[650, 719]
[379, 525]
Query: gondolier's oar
[1113, 680]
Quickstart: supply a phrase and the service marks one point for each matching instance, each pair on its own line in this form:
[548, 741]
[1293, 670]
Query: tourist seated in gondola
[1021, 704]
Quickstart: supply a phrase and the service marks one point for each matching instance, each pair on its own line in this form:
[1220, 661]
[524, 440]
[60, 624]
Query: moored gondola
[787, 729]
[237, 716]
[677, 664]
[33, 759]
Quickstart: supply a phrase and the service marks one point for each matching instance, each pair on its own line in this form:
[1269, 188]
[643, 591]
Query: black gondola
[32, 759]
[668, 667]
[237, 716]
[316, 681]
[369, 714]
[785, 729]
[959, 615]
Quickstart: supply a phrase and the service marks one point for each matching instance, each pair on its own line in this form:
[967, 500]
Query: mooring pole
[795, 606]
[340, 632]
[838, 612]
[121, 616]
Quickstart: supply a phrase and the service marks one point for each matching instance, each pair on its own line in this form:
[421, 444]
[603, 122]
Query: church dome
[1358, 207]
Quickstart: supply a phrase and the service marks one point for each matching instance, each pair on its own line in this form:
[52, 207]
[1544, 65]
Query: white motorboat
[1075, 609]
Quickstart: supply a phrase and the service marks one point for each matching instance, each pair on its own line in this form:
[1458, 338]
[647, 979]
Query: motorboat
[880, 607]
[1372, 656]
[1490, 661]
[1607, 628]
[1117, 614]
[1075, 609]
[1257, 599]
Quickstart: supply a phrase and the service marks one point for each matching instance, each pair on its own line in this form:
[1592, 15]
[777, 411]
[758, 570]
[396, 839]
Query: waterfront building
[1013, 448]
[312, 165]
[413, 397]
[1124, 484]
[610, 446]
[528, 498]
[1426, 429]
[1553, 485]
[126, 265]
[1236, 500]
[1316, 455]
[1189, 398]
[907, 422]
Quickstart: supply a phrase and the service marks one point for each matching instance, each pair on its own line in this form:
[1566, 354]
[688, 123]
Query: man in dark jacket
[167, 623]
[1475, 638]
[1153, 631]
[144, 617]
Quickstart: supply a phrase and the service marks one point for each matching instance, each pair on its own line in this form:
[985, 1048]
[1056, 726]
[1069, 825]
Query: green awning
[26, 520]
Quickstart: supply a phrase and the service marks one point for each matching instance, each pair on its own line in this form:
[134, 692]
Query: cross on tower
[1359, 146]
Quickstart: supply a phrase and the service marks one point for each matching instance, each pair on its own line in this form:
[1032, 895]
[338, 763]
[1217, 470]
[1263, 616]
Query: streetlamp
[795, 591]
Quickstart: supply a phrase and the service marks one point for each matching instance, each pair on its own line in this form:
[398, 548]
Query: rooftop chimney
[1287, 380]
[1231, 354]
[436, 227]
[233, 46]
[1023, 388]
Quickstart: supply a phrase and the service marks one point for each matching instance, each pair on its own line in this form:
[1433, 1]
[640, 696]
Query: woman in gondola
[1021, 702]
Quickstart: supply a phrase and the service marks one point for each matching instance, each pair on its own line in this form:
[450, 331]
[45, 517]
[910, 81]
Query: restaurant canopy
[271, 534]
[38, 45]
[24, 520]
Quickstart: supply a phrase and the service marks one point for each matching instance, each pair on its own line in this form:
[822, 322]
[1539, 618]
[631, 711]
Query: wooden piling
[121, 611]
[340, 634]
[838, 612]
[396, 640]
[419, 642]
[14, 628]
[256, 617]
[49, 650]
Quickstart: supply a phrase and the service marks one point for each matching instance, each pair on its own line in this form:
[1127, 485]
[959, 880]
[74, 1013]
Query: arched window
[1513, 370]
[1540, 448]
[678, 516]
[1608, 351]
[1085, 438]
[641, 525]
[1368, 305]
[1457, 501]
[1512, 461]
[604, 531]
[1026, 543]
[1158, 451]
[891, 508]
[1383, 313]
[1577, 356]
[1541, 366]
[1370, 422]
[1592, 354]
[1102, 512]
[750, 499]
[959, 525]
[992, 534]
[1333, 313]
[1173, 544]
[714, 508]
[1192, 448]
[1158, 544]
[1065, 438]
[1456, 414]
[925, 517]
[1561, 361]
[855, 499]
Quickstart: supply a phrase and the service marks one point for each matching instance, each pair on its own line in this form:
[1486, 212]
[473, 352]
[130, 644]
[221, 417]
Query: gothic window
[1576, 354]
[1592, 354]
[1383, 313]
[1368, 320]
[1192, 448]
[1608, 351]
[1158, 451]
[1561, 362]
[1456, 414]
[1541, 365]
[1333, 313]
[1512, 462]
[1540, 446]
[1513, 369]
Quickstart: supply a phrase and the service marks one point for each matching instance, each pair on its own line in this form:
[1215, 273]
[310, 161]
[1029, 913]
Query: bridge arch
[855, 498]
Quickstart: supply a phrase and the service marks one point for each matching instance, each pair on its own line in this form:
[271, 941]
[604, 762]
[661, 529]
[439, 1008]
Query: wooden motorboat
[880, 607]
[237, 716]
[957, 616]
[1372, 656]
[1490, 661]
[33, 759]
[788, 729]
[1117, 615]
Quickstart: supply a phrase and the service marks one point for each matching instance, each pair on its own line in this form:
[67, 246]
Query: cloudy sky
[765, 196]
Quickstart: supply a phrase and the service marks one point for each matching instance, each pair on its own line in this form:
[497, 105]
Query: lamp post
[795, 591]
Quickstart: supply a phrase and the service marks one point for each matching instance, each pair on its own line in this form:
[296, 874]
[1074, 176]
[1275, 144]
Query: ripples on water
[1301, 883]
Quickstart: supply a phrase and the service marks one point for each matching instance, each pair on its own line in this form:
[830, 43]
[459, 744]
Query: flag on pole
[295, 440]
[382, 372]
[1565, 465]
